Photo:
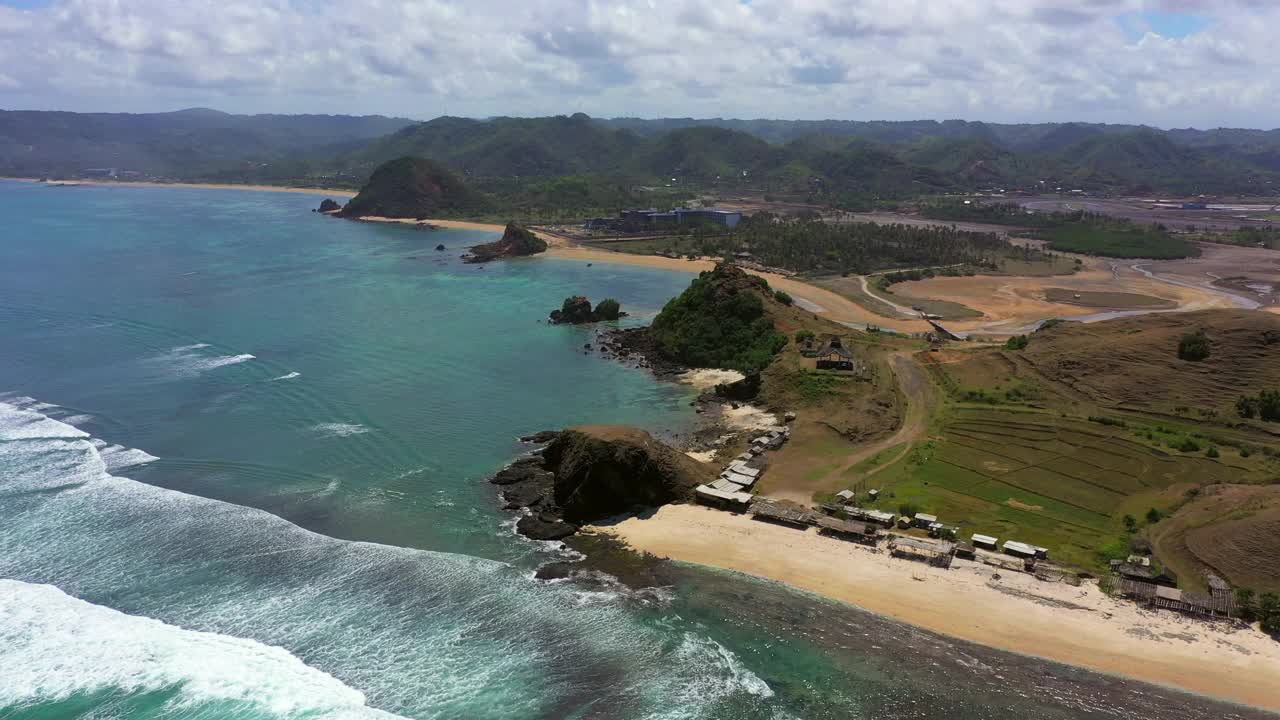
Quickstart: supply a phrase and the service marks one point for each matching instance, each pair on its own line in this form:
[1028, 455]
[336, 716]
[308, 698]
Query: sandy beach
[1079, 626]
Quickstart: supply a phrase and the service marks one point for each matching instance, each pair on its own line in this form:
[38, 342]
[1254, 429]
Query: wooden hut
[782, 514]
[847, 529]
[938, 554]
[835, 356]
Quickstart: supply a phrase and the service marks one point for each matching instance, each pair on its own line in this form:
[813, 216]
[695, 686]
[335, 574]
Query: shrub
[608, 309]
[1186, 444]
[1130, 523]
[1212, 452]
[1154, 516]
[1017, 342]
[1246, 604]
[909, 509]
[1194, 347]
[802, 335]
[782, 297]
[1269, 612]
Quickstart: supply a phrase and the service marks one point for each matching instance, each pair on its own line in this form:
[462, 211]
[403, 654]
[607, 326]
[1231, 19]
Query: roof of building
[984, 539]
[1019, 547]
[926, 546]
[846, 494]
[738, 497]
[784, 513]
[739, 478]
[844, 526]
[835, 347]
[925, 517]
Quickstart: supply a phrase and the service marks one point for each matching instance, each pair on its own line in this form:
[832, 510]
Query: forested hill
[188, 144]
[840, 159]
[843, 163]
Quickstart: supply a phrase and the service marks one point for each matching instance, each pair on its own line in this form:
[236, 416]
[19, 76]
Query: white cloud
[1001, 60]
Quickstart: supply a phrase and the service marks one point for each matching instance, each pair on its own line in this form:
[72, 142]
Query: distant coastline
[202, 186]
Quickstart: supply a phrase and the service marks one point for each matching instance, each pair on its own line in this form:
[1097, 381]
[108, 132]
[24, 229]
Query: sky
[1166, 63]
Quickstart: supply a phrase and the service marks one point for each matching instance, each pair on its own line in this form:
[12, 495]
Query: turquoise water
[242, 451]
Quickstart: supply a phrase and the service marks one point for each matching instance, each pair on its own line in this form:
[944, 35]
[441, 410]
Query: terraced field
[1061, 482]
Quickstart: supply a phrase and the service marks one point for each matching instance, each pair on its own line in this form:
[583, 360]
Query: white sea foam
[288, 376]
[187, 361]
[60, 646]
[53, 646]
[339, 429]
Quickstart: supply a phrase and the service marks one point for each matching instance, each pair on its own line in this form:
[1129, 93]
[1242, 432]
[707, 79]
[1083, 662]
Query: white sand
[704, 456]
[1076, 625]
[748, 417]
[707, 378]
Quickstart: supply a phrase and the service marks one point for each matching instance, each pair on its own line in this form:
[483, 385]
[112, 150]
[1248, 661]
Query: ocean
[242, 459]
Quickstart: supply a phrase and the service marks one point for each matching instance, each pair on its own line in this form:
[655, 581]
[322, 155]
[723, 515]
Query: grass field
[1120, 240]
[1016, 456]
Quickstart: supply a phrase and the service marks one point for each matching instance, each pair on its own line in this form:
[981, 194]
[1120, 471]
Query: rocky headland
[590, 473]
[417, 188]
[516, 241]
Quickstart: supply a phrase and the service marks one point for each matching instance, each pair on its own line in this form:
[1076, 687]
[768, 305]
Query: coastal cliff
[590, 473]
[417, 188]
[516, 241]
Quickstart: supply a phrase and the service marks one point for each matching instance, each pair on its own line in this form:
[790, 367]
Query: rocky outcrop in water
[516, 241]
[577, 310]
[590, 473]
[328, 205]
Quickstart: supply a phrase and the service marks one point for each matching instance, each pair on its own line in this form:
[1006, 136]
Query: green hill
[723, 320]
[415, 188]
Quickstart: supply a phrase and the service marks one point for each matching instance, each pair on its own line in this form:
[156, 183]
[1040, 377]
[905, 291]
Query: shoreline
[202, 186]
[1078, 626]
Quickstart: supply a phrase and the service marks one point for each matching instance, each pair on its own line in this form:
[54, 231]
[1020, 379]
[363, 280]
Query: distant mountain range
[828, 159]
[187, 144]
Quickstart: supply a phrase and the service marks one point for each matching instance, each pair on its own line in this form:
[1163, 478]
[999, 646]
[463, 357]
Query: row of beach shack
[732, 490]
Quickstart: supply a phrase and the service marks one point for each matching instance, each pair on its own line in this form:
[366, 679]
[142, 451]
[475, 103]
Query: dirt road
[921, 399]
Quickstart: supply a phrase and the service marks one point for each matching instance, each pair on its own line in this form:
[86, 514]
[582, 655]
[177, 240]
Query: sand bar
[1074, 625]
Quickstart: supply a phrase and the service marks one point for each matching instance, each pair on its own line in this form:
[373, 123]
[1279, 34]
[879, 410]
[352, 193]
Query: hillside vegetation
[196, 144]
[852, 165]
[812, 246]
[415, 188]
[723, 320]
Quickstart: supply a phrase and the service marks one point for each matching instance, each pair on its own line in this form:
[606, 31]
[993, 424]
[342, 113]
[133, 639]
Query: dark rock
[329, 206]
[601, 471]
[544, 436]
[577, 310]
[574, 311]
[745, 389]
[440, 246]
[516, 241]
[555, 571]
[543, 526]
[526, 494]
[525, 470]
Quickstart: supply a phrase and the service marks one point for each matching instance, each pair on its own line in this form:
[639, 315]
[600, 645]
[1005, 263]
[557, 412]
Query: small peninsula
[516, 241]
[411, 187]
[593, 472]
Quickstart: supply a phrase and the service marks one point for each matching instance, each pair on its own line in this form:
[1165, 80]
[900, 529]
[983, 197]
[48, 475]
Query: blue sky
[1167, 63]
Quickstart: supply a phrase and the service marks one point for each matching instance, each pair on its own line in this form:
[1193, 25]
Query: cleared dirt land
[1234, 530]
[1010, 304]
